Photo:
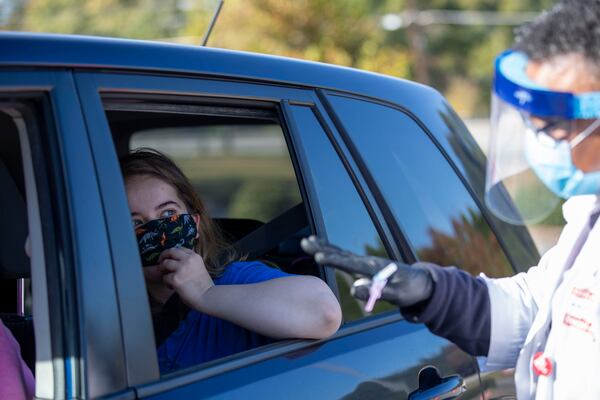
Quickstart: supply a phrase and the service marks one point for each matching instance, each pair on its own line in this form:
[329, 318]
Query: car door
[373, 354]
[78, 348]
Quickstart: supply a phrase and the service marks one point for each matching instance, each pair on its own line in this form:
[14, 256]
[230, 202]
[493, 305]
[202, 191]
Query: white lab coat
[553, 310]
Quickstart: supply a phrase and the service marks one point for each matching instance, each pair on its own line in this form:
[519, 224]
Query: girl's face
[151, 198]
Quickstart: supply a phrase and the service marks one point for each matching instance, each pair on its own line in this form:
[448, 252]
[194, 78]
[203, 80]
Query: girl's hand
[184, 271]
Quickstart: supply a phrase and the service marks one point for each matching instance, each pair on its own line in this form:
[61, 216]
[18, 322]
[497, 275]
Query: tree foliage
[456, 60]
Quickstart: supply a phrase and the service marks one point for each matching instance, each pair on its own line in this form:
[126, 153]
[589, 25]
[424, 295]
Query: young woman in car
[205, 303]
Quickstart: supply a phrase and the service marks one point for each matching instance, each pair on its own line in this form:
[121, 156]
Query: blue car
[279, 149]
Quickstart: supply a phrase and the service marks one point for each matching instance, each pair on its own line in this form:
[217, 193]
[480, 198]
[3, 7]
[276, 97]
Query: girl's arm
[285, 307]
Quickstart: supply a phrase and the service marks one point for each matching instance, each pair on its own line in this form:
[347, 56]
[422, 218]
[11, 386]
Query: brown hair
[213, 248]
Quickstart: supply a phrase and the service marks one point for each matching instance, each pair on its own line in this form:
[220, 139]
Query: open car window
[238, 162]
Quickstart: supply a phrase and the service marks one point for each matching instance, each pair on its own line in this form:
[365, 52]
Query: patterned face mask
[158, 235]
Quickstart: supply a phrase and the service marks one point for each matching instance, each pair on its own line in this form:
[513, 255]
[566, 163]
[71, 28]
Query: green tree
[457, 60]
[142, 19]
[343, 32]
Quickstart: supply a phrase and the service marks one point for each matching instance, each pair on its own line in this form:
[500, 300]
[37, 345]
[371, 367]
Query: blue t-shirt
[200, 337]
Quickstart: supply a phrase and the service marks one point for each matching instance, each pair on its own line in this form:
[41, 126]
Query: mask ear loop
[584, 134]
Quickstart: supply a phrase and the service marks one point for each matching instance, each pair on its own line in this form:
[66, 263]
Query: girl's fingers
[169, 265]
[177, 253]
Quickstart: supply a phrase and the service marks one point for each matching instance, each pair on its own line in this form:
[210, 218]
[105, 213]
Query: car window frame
[52, 145]
[92, 87]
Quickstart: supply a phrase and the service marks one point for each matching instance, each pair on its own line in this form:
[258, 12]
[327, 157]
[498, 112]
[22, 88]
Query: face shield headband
[513, 86]
[529, 169]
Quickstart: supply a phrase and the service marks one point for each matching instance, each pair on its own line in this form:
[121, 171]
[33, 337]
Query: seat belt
[269, 235]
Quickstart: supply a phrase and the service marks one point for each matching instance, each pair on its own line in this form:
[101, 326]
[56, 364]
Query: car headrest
[14, 263]
[234, 229]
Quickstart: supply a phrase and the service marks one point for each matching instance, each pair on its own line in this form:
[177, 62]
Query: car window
[346, 220]
[437, 213]
[238, 162]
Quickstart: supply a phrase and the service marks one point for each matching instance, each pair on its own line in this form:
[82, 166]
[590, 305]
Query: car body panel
[377, 363]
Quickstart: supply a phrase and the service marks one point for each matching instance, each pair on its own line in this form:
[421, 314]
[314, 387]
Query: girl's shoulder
[240, 272]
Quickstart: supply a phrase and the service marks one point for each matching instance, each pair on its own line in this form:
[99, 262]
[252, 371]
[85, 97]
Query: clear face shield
[533, 131]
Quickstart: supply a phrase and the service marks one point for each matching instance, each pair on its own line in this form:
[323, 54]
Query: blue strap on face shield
[512, 85]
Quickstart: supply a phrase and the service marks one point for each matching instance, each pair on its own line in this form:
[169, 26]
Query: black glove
[408, 286]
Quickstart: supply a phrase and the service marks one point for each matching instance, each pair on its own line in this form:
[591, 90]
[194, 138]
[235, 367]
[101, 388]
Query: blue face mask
[551, 161]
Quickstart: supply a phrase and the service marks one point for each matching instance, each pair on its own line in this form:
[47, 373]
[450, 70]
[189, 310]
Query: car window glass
[438, 215]
[346, 220]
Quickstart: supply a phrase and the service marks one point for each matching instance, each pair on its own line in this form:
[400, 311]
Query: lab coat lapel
[578, 218]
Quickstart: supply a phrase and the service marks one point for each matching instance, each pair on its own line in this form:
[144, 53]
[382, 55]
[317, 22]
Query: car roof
[74, 51]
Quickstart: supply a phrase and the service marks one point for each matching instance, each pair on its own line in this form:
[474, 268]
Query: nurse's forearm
[459, 310]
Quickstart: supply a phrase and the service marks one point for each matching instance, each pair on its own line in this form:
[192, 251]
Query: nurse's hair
[570, 26]
[215, 251]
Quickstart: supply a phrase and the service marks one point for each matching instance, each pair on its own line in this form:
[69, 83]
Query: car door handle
[433, 386]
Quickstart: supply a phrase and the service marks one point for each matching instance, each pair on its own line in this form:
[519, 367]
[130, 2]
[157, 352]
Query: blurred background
[447, 44]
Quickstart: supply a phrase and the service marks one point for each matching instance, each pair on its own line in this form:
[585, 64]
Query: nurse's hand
[409, 285]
